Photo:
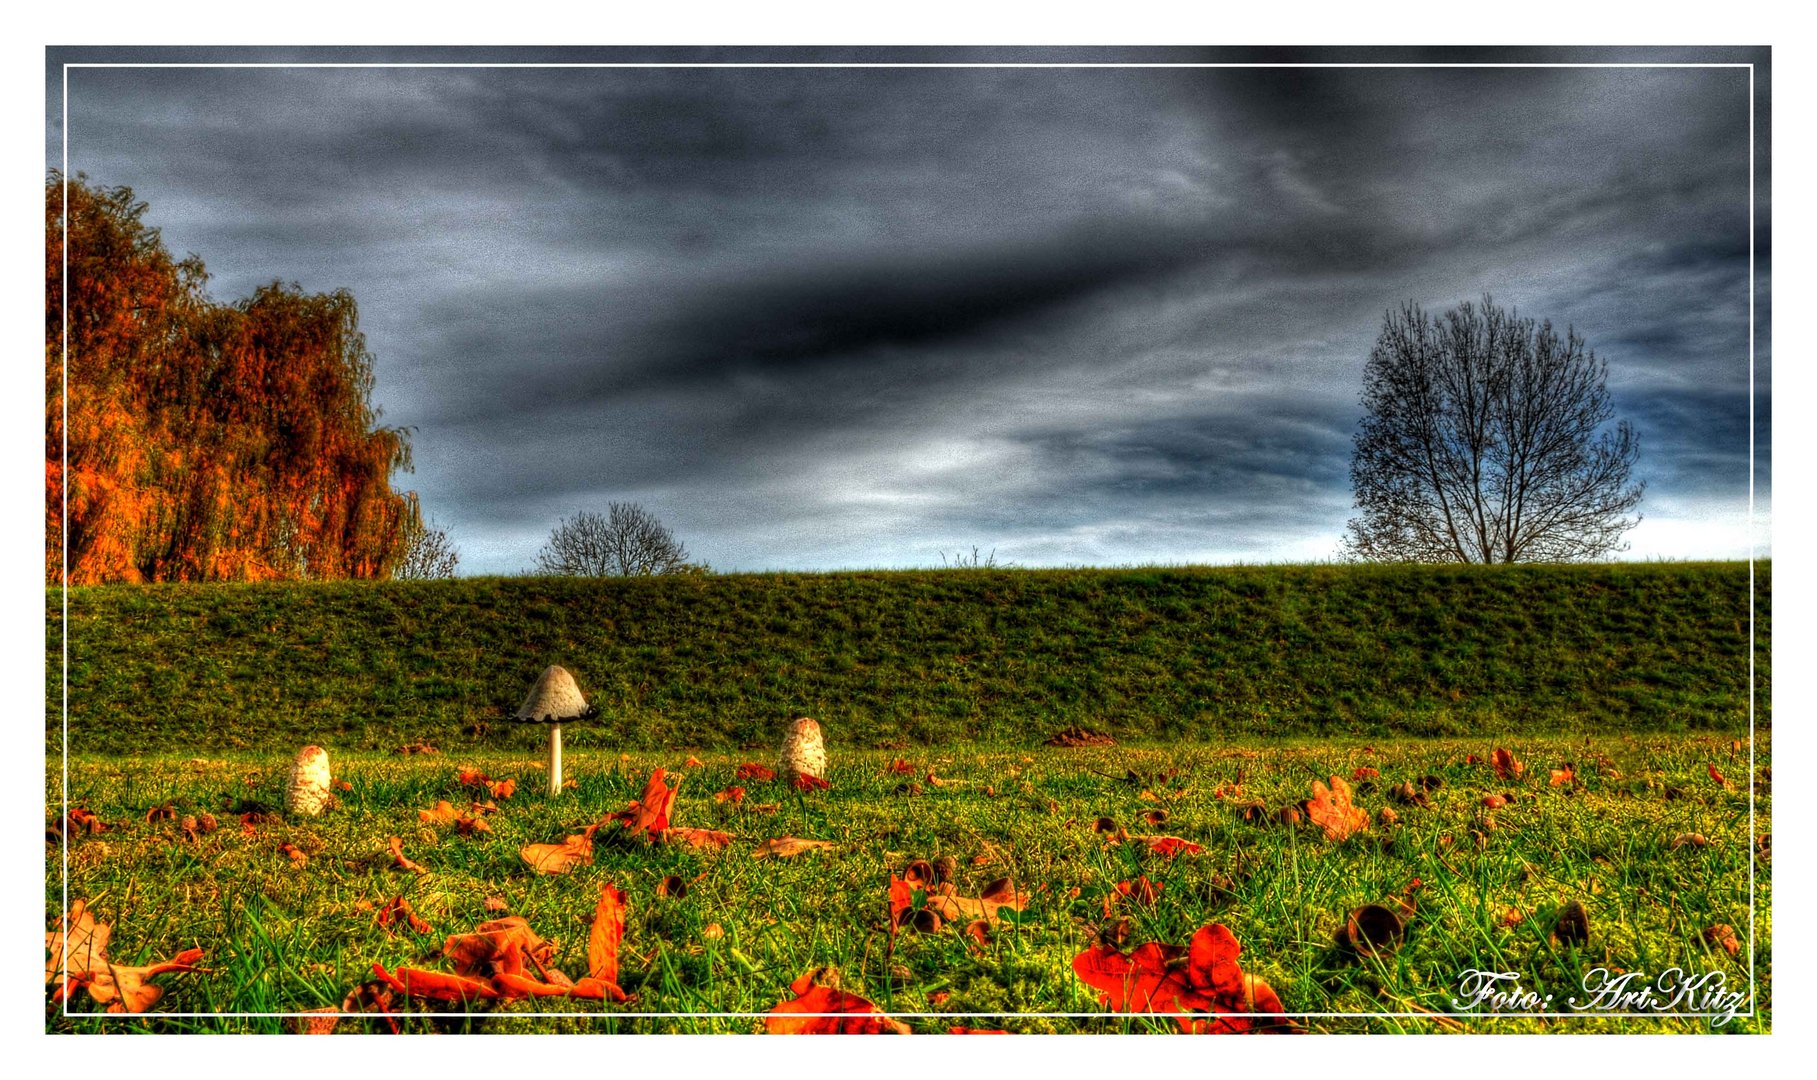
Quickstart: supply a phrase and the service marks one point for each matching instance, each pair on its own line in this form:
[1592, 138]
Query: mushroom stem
[555, 759]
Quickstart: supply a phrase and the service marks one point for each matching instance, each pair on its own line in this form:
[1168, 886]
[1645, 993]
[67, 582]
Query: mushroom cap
[553, 699]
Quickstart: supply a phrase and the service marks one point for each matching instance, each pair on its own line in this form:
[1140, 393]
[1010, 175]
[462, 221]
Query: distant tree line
[207, 441]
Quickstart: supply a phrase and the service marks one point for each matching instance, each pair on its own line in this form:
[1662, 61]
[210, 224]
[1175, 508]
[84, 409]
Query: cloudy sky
[819, 317]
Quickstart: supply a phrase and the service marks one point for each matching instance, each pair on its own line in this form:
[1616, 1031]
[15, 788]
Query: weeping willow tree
[206, 441]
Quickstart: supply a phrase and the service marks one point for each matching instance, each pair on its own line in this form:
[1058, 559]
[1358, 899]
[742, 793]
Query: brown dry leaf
[1494, 802]
[607, 933]
[398, 859]
[732, 794]
[1331, 809]
[77, 948]
[444, 813]
[576, 850]
[784, 846]
[855, 1015]
[320, 1021]
[398, 910]
[999, 894]
[1566, 775]
[497, 903]
[502, 789]
[699, 839]
[1507, 766]
[297, 858]
[1722, 936]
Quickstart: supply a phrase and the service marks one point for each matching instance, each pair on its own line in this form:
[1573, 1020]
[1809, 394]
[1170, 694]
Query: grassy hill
[918, 656]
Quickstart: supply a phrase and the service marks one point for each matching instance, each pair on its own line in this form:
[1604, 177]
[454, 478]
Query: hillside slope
[919, 656]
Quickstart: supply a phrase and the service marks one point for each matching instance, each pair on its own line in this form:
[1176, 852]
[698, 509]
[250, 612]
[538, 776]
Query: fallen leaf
[1722, 936]
[1714, 775]
[320, 1021]
[946, 902]
[806, 782]
[784, 846]
[1364, 772]
[1153, 978]
[1510, 917]
[576, 850]
[443, 813]
[398, 910]
[344, 786]
[1172, 845]
[732, 795]
[397, 855]
[296, 855]
[1494, 802]
[692, 763]
[649, 815]
[1566, 775]
[713, 931]
[1331, 809]
[1690, 838]
[160, 813]
[700, 839]
[435, 985]
[503, 789]
[1506, 764]
[604, 938]
[900, 767]
[77, 958]
[855, 1015]
[497, 903]
[751, 771]
[1141, 891]
[672, 886]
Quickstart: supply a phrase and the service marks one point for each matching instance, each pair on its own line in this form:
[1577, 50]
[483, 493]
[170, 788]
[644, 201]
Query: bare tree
[1485, 439]
[428, 553]
[627, 541]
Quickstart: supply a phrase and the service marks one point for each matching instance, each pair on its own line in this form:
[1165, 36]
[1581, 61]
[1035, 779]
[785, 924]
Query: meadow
[1651, 834]
[904, 658]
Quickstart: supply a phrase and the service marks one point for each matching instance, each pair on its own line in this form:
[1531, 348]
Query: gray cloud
[837, 317]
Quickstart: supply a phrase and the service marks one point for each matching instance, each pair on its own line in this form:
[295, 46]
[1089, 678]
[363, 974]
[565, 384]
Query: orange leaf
[692, 763]
[1717, 776]
[805, 782]
[397, 854]
[469, 777]
[1331, 808]
[1364, 772]
[701, 839]
[576, 850]
[751, 771]
[731, 794]
[857, 1016]
[1566, 775]
[900, 767]
[1506, 764]
[1723, 936]
[608, 930]
[434, 985]
[1494, 802]
[398, 909]
[444, 813]
[650, 814]
[502, 789]
[1173, 845]
[1152, 979]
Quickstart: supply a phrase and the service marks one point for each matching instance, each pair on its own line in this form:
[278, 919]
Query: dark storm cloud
[821, 317]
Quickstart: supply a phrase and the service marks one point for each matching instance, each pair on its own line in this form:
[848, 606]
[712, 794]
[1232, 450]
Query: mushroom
[803, 751]
[306, 793]
[554, 700]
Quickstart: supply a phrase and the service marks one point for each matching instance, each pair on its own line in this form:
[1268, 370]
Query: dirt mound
[1078, 736]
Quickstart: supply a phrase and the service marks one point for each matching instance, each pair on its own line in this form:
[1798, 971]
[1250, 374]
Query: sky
[837, 317]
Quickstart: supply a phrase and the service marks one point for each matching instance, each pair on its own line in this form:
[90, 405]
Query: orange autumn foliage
[1331, 809]
[1200, 978]
[206, 441]
[856, 1016]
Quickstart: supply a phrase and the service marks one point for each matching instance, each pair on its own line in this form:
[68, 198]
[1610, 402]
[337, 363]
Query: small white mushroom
[307, 792]
[553, 699]
[803, 752]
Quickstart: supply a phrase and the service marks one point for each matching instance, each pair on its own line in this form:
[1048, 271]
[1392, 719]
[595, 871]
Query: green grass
[920, 657]
[282, 938]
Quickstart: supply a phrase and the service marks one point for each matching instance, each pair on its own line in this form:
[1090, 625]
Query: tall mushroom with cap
[554, 700]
